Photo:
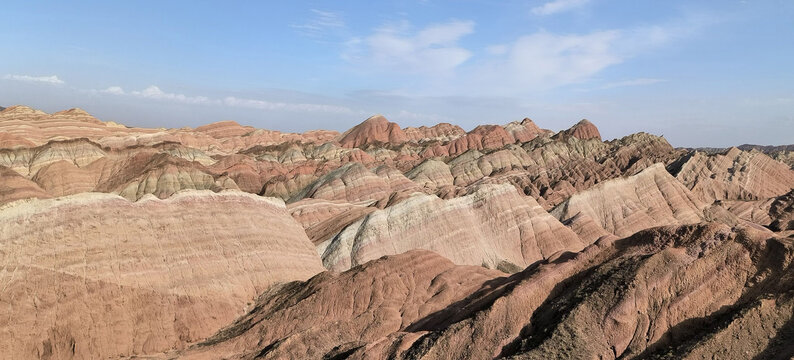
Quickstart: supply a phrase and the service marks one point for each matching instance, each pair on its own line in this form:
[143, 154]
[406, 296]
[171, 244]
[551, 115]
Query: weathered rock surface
[583, 130]
[354, 182]
[494, 226]
[16, 187]
[96, 276]
[90, 275]
[438, 132]
[354, 308]
[375, 130]
[624, 206]
[678, 291]
[735, 175]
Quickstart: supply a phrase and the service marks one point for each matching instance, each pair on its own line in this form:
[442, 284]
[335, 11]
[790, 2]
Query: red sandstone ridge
[374, 130]
[223, 129]
[583, 130]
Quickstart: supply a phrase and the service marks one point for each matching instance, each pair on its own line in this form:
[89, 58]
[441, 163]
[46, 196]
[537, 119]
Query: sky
[699, 72]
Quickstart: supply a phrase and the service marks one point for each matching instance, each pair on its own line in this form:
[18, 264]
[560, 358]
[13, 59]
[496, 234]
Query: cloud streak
[558, 6]
[53, 79]
[155, 93]
[633, 82]
[321, 22]
[436, 58]
[297, 107]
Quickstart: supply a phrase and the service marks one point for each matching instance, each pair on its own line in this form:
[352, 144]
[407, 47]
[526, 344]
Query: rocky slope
[681, 291]
[493, 226]
[735, 175]
[624, 206]
[505, 241]
[96, 276]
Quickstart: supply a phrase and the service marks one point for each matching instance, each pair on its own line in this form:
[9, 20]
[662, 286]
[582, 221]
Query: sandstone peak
[373, 130]
[21, 110]
[224, 129]
[583, 130]
[73, 111]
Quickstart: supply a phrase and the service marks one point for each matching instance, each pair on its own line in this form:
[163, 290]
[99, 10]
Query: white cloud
[41, 79]
[633, 82]
[545, 60]
[270, 105]
[115, 90]
[558, 6]
[154, 92]
[432, 50]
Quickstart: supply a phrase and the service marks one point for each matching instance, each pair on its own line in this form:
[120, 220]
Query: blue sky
[701, 73]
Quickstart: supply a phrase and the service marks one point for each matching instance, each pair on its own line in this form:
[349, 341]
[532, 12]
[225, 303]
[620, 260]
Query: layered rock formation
[684, 292]
[493, 226]
[735, 175]
[506, 241]
[583, 130]
[359, 307]
[15, 187]
[375, 130]
[96, 276]
[624, 206]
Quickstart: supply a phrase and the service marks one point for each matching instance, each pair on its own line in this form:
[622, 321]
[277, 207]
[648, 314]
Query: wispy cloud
[115, 90]
[633, 82]
[155, 93]
[558, 6]
[271, 105]
[441, 65]
[397, 47]
[53, 79]
[320, 23]
[545, 60]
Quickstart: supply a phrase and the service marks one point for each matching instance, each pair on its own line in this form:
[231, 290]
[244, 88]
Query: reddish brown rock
[583, 130]
[354, 308]
[224, 129]
[493, 226]
[523, 131]
[65, 178]
[735, 175]
[11, 141]
[375, 130]
[15, 187]
[686, 290]
[624, 206]
[438, 132]
[96, 276]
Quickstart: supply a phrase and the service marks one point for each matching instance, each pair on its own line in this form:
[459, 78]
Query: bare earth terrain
[506, 241]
